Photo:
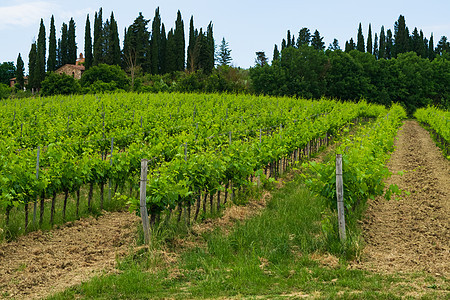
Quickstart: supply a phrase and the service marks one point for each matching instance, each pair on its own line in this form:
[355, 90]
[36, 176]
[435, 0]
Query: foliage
[364, 163]
[224, 54]
[79, 129]
[20, 69]
[409, 80]
[87, 44]
[71, 43]
[7, 71]
[39, 72]
[59, 84]
[52, 62]
[438, 121]
[112, 75]
[5, 91]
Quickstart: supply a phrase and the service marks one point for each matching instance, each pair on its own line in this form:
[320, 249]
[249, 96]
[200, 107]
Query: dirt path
[42, 263]
[413, 233]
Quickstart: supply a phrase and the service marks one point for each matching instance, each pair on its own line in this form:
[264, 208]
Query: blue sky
[248, 26]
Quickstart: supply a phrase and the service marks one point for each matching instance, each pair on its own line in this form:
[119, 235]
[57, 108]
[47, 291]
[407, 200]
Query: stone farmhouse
[75, 70]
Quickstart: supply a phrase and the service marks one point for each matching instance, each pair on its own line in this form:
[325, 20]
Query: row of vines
[196, 144]
[364, 157]
[438, 123]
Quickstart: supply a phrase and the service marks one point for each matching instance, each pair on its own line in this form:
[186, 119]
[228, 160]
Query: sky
[247, 26]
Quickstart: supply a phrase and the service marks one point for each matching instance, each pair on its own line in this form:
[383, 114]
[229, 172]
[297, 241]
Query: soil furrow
[412, 233]
[42, 263]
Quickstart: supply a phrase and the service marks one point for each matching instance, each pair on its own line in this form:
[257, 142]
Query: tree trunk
[197, 206]
[91, 193]
[204, 203]
[78, 201]
[66, 195]
[41, 212]
[218, 200]
[226, 192]
[211, 199]
[26, 216]
[102, 189]
[52, 210]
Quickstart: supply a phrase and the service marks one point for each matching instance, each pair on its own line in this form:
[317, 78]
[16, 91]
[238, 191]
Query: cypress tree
[283, 44]
[58, 54]
[107, 57]
[288, 39]
[51, 63]
[64, 45]
[40, 58]
[375, 46]
[369, 40]
[431, 53]
[136, 44]
[191, 46]
[170, 54]
[163, 48]
[276, 53]
[98, 39]
[87, 44]
[201, 55]
[71, 43]
[382, 48]
[113, 42]
[155, 43]
[350, 45]
[32, 56]
[360, 41]
[417, 42]
[210, 49]
[347, 47]
[389, 44]
[304, 37]
[317, 41]
[180, 43]
[423, 45]
[401, 37]
[20, 69]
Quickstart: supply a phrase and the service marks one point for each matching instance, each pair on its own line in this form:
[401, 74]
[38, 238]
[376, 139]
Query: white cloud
[24, 14]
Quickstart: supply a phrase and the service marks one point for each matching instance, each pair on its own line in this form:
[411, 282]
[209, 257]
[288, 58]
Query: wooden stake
[37, 178]
[143, 203]
[340, 197]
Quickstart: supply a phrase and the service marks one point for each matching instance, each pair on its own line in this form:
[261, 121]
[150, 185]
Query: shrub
[114, 76]
[59, 84]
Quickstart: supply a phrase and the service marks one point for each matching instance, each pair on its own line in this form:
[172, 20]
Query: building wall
[71, 70]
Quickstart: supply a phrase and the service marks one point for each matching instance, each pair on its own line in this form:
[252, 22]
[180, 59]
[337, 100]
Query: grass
[280, 253]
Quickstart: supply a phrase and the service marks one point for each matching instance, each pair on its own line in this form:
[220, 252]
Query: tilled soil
[42, 263]
[412, 233]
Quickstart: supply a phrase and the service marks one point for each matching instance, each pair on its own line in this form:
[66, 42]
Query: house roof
[79, 67]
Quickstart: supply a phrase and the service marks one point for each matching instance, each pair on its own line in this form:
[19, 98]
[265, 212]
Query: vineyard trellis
[199, 145]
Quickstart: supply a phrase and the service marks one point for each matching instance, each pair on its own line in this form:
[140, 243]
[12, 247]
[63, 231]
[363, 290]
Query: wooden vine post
[37, 178]
[143, 204]
[340, 197]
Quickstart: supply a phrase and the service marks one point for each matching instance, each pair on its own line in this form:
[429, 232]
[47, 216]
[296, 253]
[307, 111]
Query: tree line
[392, 67]
[146, 49]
